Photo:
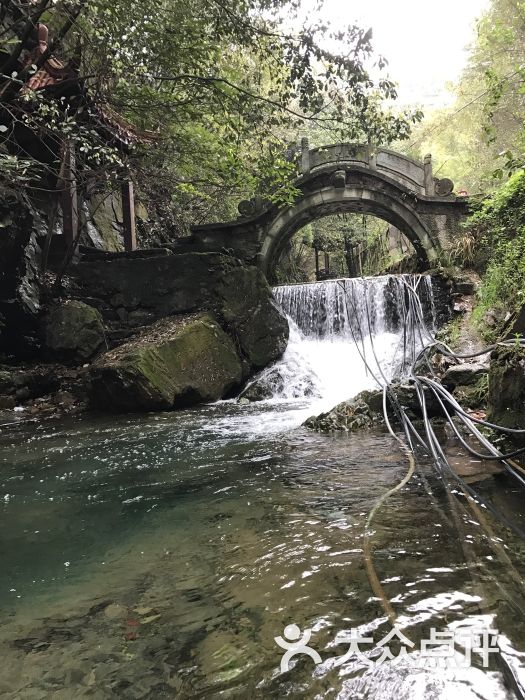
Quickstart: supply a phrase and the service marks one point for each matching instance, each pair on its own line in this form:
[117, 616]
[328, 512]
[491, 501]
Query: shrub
[498, 226]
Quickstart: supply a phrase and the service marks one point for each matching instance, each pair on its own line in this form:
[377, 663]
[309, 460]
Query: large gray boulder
[135, 289]
[252, 316]
[176, 362]
[73, 330]
[469, 383]
[506, 397]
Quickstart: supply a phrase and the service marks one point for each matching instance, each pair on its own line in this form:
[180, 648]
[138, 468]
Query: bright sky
[425, 41]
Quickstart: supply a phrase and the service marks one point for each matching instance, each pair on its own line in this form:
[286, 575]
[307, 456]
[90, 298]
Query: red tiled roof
[53, 72]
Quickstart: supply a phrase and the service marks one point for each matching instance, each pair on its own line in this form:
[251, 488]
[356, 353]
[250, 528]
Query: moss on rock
[366, 409]
[473, 395]
[174, 363]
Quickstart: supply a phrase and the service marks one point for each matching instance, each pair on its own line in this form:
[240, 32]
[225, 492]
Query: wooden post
[326, 263]
[69, 199]
[316, 263]
[128, 216]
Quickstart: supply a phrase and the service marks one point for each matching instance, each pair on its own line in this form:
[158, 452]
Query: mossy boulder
[407, 397]
[366, 409]
[473, 396]
[246, 304]
[506, 397]
[73, 331]
[363, 411]
[134, 289]
[174, 363]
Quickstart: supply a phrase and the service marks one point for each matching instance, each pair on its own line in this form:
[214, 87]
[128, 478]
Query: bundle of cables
[417, 346]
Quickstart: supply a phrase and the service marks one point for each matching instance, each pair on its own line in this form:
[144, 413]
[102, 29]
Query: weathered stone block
[161, 285]
[465, 374]
[73, 330]
[247, 307]
[171, 364]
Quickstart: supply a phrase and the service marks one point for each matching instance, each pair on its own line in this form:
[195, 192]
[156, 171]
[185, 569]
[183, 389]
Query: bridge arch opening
[343, 245]
[395, 208]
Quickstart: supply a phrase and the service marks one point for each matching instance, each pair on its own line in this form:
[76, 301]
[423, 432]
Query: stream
[159, 555]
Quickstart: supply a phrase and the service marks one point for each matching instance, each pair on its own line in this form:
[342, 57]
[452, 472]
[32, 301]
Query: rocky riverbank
[146, 331]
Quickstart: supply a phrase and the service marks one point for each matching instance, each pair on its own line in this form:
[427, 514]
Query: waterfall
[352, 308]
[333, 326]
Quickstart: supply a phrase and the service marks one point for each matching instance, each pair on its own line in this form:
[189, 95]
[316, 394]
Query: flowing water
[158, 556]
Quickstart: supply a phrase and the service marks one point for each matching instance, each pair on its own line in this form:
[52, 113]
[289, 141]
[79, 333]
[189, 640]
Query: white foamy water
[345, 336]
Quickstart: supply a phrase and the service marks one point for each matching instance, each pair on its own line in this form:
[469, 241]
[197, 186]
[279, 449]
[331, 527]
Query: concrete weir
[346, 178]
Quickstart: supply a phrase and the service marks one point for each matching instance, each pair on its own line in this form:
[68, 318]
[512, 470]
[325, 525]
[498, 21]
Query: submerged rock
[73, 330]
[248, 308]
[173, 363]
[257, 391]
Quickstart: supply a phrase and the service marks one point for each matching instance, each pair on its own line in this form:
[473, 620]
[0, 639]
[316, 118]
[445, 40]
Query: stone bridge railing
[408, 172]
[345, 178]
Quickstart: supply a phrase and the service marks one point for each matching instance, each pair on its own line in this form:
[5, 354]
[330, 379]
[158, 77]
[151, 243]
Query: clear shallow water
[158, 556]
[206, 534]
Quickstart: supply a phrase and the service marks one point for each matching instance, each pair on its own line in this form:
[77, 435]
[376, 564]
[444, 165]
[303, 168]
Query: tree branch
[248, 93]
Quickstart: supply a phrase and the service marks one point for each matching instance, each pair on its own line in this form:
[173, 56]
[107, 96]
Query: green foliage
[480, 139]
[499, 229]
[224, 85]
[451, 333]
[15, 170]
[296, 265]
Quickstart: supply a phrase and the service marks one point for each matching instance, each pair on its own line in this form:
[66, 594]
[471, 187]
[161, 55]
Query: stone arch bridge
[345, 178]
